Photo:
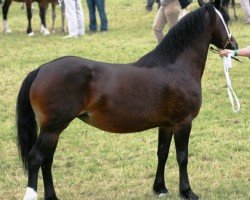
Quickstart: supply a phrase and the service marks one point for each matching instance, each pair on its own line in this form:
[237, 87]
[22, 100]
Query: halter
[228, 64]
[229, 36]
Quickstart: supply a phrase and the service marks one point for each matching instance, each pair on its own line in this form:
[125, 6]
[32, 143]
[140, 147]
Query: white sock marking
[30, 194]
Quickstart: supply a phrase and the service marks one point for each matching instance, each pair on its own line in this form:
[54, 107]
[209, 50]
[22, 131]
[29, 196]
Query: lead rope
[227, 61]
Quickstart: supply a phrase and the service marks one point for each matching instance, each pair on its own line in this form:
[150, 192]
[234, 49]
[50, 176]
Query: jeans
[100, 5]
[150, 4]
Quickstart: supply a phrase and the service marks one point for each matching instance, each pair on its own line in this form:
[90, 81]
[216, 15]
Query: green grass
[91, 164]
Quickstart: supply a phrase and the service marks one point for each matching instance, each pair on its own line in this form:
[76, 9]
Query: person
[168, 13]
[240, 52]
[100, 5]
[75, 18]
[150, 4]
[245, 4]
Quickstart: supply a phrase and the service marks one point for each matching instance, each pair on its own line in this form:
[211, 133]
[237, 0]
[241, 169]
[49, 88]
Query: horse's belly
[119, 124]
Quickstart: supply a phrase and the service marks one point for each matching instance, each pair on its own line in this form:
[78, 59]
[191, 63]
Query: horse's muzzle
[232, 44]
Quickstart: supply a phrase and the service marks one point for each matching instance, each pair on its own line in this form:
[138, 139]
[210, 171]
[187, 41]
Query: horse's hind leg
[49, 191]
[53, 15]
[63, 16]
[42, 13]
[234, 9]
[41, 155]
[181, 138]
[5, 10]
[164, 141]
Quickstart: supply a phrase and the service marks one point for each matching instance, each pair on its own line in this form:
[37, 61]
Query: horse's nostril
[234, 46]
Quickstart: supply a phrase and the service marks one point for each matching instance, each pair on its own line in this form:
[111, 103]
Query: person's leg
[92, 17]
[70, 11]
[80, 17]
[159, 23]
[245, 4]
[149, 5]
[100, 4]
[172, 11]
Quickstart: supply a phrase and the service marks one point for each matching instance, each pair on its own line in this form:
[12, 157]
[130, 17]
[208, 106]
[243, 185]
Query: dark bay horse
[226, 4]
[161, 89]
[42, 4]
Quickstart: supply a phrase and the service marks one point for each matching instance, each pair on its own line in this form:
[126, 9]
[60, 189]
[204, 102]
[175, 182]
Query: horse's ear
[216, 3]
[201, 2]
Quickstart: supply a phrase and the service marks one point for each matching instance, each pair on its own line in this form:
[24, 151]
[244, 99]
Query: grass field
[91, 164]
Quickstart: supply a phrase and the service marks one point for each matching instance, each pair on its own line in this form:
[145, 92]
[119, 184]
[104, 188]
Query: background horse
[161, 89]
[53, 13]
[41, 4]
[226, 4]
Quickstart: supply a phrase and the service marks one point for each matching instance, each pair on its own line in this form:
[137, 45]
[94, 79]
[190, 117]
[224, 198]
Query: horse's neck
[194, 57]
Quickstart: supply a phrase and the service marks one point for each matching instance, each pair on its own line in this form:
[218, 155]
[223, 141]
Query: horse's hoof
[30, 194]
[51, 198]
[31, 34]
[189, 194]
[161, 195]
[6, 28]
[44, 30]
[161, 192]
[7, 31]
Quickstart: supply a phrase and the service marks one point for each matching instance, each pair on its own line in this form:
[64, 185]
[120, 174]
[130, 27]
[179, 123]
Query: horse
[41, 4]
[53, 13]
[167, 96]
[226, 3]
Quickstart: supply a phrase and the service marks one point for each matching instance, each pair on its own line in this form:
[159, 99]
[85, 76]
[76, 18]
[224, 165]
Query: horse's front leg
[164, 140]
[29, 16]
[42, 13]
[181, 138]
[5, 9]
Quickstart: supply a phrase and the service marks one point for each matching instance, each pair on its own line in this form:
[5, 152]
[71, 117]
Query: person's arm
[241, 52]
[244, 52]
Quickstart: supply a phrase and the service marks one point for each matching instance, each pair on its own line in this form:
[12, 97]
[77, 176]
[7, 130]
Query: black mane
[179, 37]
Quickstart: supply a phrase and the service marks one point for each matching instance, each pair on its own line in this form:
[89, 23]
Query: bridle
[227, 64]
[229, 35]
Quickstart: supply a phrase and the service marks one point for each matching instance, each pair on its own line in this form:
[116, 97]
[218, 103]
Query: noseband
[229, 36]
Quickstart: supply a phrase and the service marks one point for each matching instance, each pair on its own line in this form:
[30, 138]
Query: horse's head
[221, 36]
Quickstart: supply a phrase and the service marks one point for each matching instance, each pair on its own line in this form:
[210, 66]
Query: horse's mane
[179, 37]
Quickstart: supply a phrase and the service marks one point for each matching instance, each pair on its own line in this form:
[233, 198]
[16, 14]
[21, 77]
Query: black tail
[25, 119]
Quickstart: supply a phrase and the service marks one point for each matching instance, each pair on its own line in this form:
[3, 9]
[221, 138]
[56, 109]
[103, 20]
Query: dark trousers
[100, 5]
[150, 4]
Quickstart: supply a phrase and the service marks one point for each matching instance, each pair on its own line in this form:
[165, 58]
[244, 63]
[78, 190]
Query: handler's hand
[225, 52]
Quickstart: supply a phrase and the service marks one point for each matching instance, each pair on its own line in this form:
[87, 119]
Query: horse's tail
[25, 119]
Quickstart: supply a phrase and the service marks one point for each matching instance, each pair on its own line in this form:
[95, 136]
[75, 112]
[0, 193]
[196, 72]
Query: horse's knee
[34, 160]
[53, 16]
[162, 155]
[182, 159]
